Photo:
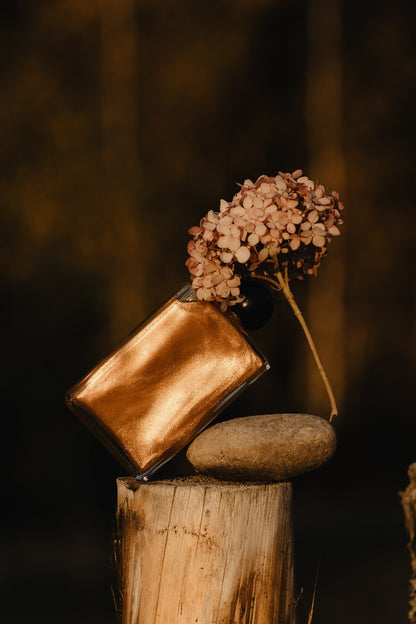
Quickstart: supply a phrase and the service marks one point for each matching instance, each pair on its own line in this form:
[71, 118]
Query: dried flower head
[281, 223]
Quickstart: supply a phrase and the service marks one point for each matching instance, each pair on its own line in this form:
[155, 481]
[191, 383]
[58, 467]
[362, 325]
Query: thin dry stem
[271, 281]
[313, 598]
[284, 285]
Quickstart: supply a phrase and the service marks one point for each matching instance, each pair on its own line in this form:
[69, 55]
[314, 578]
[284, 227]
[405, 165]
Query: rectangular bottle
[166, 382]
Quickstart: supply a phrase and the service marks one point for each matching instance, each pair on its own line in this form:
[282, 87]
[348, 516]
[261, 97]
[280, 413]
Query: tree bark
[409, 507]
[197, 550]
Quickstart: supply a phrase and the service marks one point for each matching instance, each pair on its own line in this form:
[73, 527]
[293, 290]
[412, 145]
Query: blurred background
[122, 123]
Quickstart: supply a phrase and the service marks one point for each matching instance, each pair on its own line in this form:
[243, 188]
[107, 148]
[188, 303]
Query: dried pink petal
[204, 294]
[195, 230]
[222, 290]
[258, 203]
[234, 281]
[235, 231]
[280, 184]
[226, 272]
[265, 188]
[212, 217]
[263, 254]
[216, 279]
[233, 243]
[226, 256]
[207, 281]
[197, 282]
[282, 219]
[319, 191]
[238, 211]
[306, 181]
[313, 216]
[260, 229]
[208, 235]
[223, 228]
[275, 234]
[208, 225]
[226, 220]
[197, 271]
[296, 217]
[222, 242]
[253, 239]
[247, 203]
[242, 254]
[318, 241]
[273, 250]
[291, 203]
[270, 209]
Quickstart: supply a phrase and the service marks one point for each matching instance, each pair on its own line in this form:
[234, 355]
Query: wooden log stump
[408, 498]
[197, 550]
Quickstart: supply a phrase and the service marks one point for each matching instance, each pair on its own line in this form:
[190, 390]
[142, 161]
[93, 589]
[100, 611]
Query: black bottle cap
[257, 308]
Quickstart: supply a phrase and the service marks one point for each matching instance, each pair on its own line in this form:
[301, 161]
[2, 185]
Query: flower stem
[284, 285]
[271, 281]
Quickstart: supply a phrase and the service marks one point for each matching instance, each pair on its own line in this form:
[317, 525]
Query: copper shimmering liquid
[165, 383]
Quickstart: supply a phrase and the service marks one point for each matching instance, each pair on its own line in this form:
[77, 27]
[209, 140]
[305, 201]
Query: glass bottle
[166, 382]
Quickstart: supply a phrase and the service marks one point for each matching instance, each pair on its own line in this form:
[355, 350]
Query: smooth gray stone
[272, 447]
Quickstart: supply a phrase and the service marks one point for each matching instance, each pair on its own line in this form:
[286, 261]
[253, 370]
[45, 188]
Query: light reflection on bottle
[166, 382]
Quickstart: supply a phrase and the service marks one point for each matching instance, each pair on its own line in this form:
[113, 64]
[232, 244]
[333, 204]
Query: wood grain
[206, 552]
[408, 498]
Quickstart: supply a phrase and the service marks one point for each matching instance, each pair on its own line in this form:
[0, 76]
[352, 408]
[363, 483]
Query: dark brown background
[122, 123]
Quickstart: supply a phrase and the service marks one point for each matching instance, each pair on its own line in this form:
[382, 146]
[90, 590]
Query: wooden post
[197, 550]
[409, 507]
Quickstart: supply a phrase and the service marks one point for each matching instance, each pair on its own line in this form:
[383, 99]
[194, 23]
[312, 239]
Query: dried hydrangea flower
[275, 229]
[286, 221]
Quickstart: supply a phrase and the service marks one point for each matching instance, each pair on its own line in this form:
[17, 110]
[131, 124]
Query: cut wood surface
[197, 550]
